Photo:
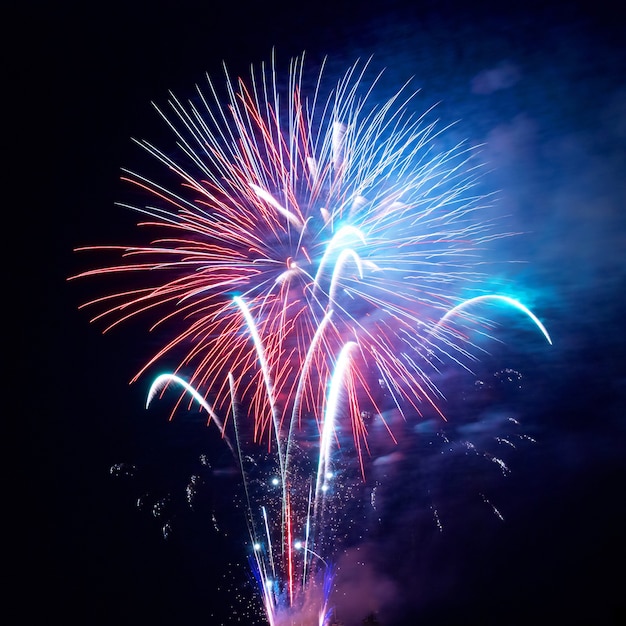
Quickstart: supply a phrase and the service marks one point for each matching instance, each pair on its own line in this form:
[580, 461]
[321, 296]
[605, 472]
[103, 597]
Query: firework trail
[313, 243]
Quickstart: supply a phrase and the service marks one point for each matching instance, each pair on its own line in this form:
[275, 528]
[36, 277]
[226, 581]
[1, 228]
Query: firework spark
[312, 245]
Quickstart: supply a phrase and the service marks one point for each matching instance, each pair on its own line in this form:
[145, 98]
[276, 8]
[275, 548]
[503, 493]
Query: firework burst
[309, 263]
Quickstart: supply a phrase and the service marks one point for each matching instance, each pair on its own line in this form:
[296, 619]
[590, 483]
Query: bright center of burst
[275, 481]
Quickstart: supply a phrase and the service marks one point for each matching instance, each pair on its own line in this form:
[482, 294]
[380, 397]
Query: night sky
[543, 87]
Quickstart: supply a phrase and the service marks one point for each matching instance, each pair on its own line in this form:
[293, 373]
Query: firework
[309, 263]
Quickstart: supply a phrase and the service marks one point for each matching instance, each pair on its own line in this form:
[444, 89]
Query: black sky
[541, 84]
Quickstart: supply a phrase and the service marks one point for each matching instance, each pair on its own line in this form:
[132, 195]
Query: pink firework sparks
[306, 210]
[313, 244]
